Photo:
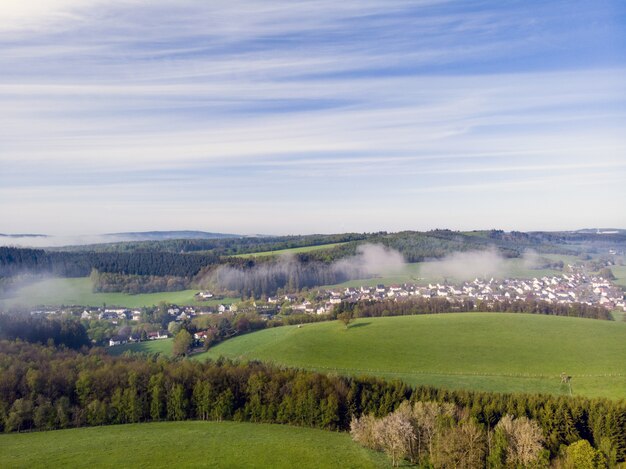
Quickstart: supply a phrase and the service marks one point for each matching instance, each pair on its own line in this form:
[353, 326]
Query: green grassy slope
[620, 274]
[163, 346]
[483, 351]
[318, 247]
[77, 291]
[186, 444]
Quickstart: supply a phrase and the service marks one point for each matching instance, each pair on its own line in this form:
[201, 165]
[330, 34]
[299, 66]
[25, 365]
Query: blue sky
[311, 116]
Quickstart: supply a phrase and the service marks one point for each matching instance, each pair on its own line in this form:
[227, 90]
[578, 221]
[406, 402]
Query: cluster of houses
[576, 287]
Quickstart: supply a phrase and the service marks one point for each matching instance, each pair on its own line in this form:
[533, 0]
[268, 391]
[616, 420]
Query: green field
[482, 351]
[77, 291]
[186, 444]
[163, 346]
[620, 274]
[318, 247]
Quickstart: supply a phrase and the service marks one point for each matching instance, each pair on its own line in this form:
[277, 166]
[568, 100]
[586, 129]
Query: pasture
[163, 346]
[620, 274]
[318, 247]
[78, 291]
[497, 352]
[186, 444]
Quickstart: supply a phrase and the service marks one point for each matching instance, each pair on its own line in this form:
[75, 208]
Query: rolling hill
[186, 444]
[481, 351]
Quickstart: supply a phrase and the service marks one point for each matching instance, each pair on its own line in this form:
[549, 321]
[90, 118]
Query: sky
[293, 117]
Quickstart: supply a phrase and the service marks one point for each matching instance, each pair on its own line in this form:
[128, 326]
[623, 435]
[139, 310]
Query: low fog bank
[371, 260]
[30, 290]
[532, 260]
[45, 241]
[467, 265]
[54, 241]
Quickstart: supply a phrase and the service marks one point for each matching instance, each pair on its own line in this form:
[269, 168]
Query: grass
[78, 291]
[186, 444]
[318, 247]
[618, 315]
[620, 274]
[482, 351]
[163, 346]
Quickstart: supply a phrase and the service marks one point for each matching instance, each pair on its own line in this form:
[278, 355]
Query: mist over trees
[137, 267]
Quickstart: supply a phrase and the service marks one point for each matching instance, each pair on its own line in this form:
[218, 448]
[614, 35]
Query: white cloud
[33, 15]
[242, 102]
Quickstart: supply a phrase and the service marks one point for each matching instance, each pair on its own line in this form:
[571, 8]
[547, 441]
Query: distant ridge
[601, 231]
[51, 241]
[23, 235]
[163, 235]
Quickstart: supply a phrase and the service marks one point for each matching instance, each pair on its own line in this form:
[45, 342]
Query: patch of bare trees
[443, 435]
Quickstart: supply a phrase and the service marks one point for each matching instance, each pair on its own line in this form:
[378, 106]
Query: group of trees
[443, 435]
[134, 284]
[412, 306]
[15, 261]
[58, 331]
[265, 277]
[43, 388]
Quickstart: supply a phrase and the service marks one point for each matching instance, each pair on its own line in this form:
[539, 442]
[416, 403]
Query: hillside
[78, 291]
[163, 235]
[482, 351]
[186, 444]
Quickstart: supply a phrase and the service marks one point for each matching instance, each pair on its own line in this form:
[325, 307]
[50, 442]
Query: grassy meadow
[78, 291]
[186, 444]
[163, 346]
[620, 274]
[318, 247]
[482, 351]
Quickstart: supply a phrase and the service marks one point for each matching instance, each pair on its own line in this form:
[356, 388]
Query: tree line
[411, 306]
[222, 246]
[16, 261]
[43, 388]
[59, 331]
[134, 284]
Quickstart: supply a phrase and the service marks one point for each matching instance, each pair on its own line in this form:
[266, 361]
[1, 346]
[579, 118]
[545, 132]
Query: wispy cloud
[120, 107]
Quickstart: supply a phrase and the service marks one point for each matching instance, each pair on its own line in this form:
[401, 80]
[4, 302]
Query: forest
[16, 261]
[43, 388]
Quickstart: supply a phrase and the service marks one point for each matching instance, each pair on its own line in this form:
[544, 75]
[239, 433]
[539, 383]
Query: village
[571, 288]
[574, 287]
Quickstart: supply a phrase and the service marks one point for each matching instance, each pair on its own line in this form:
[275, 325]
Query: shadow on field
[360, 324]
